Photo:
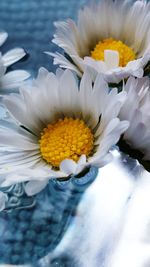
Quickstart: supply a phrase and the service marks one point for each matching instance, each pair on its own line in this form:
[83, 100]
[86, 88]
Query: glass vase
[32, 227]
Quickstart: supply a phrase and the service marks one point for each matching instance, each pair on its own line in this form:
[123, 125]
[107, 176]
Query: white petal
[85, 93]
[2, 70]
[34, 187]
[138, 97]
[3, 37]
[17, 156]
[68, 87]
[82, 160]
[63, 62]
[90, 97]
[98, 65]
[24, 174]
[68, 166]
[25, 117]
[81, 164]
[13, 56]
[102, 161]
[15, 139]
[111, 59]
[42, 74]
[13, 79]
[59, 73]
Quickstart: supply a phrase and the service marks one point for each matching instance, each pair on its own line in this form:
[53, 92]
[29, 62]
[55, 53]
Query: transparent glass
[31, 228]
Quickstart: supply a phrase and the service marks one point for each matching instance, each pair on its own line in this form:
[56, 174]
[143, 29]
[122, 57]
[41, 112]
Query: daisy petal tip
[111, 58]
[68, 166]
[34, 187]
[124, 126]
[82, 159]
[139, 73]
[13, 55]
[3, 37]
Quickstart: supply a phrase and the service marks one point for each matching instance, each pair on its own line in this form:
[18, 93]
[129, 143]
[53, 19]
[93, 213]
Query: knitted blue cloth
[29, 24]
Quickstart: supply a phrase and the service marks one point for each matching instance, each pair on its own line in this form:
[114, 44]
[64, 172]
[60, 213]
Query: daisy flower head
[136, 109]
[60, 128]
[11, 79]
[112, 37]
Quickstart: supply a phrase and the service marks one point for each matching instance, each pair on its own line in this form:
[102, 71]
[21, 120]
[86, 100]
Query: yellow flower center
[66, 139]
[126, 54]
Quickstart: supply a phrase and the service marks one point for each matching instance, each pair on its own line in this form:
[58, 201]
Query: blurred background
[29, 24]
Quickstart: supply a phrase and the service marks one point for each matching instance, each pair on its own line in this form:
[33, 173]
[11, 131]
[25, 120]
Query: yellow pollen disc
[66, 139]
[126, 54]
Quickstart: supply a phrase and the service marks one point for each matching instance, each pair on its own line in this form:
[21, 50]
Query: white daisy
[59, 128]
[112, 37]
[136, 110]
[13, 78]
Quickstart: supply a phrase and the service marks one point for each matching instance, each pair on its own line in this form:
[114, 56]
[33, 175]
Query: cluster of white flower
[65, 122]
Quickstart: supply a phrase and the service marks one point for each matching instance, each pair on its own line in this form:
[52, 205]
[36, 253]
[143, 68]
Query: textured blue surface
[30, 25]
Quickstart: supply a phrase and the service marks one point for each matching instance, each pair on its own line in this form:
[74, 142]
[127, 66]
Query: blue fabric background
[29, 24]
